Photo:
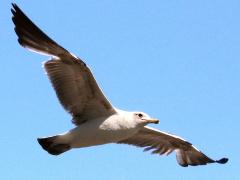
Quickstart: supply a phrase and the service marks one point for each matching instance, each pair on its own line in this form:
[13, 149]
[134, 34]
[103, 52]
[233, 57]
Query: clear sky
[176, 60]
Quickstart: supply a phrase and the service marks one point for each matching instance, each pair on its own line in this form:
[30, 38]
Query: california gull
[97, 121]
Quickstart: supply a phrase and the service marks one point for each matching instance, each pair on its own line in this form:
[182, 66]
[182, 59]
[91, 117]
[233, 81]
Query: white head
[143, 119]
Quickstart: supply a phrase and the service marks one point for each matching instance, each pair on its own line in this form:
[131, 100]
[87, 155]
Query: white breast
[102, 131]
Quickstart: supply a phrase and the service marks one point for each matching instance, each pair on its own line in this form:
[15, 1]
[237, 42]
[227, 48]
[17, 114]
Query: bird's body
[97, 121]
[101, 131]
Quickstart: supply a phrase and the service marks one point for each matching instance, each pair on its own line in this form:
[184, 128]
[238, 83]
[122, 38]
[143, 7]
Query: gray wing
[77, 90]
[72, 80]
[163, 144]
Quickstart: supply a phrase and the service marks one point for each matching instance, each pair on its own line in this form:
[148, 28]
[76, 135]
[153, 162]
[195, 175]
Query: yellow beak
[155, 121]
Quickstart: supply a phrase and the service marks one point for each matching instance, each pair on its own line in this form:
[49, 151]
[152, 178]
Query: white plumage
[97, 121]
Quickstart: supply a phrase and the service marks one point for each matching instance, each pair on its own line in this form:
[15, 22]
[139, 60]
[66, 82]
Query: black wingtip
[222, 161]
[14, 7]
[16, 10]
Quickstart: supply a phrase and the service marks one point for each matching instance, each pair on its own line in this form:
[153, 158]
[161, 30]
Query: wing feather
[163, 144]
[75, 86]
[77, 90]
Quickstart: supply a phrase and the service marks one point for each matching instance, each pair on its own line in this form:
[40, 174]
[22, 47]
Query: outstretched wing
[163, 144]
[72, 80]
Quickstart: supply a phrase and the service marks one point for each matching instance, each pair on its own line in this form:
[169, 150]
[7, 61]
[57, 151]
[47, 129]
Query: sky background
[176, 60]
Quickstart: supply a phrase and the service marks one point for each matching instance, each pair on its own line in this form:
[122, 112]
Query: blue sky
[176, 60]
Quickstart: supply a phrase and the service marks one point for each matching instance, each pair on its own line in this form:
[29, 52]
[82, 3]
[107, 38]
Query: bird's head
[143, 118]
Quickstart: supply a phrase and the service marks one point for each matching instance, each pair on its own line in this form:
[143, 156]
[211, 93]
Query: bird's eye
[140, 115]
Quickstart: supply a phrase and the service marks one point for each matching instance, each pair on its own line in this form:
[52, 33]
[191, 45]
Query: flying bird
[96, 121]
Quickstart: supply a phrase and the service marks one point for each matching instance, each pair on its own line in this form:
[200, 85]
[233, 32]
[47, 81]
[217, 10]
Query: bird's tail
[54, 145]
[31, 37]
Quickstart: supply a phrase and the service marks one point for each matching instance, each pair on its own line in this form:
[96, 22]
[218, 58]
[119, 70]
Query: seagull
[96, 121]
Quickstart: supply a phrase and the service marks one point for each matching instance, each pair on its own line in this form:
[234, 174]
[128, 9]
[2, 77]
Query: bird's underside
[80, 95]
